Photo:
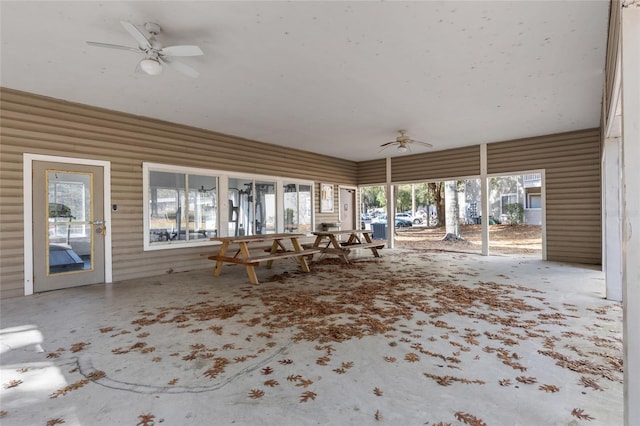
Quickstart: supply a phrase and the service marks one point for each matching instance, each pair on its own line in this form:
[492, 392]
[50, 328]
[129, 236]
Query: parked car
[407, 216]
[400, 221]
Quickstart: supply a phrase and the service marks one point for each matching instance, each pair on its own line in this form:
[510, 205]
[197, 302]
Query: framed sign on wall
[326, 198]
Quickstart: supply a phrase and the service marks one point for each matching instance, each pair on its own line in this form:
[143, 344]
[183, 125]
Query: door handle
[101, 226]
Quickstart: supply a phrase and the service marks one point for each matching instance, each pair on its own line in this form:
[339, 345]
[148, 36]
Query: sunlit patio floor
[416, 337]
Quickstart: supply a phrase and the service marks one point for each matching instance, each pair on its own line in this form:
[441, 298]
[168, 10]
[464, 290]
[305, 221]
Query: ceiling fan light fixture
[151, 66]
[402, 148]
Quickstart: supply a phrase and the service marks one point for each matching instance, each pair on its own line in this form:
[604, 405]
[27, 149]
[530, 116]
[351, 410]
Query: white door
[347, 208]
[68, 225]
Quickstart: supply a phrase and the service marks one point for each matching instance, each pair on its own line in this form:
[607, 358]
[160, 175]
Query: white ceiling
[332, 77]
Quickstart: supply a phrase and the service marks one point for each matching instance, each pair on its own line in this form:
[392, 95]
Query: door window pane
[70, 240]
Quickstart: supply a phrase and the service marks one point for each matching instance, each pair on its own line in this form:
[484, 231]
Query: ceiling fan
[155, 54]
[403, 141]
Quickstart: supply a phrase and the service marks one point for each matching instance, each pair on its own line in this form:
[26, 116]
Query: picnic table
[331, 242]
[277, 250]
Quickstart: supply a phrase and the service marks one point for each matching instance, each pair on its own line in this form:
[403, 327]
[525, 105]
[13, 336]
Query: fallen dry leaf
[13, 383]
[469, 419]
[579, 413]
[96, 375]
[256, 393]
[549, 388]
[146, 420]
[77, 347]
[72, 386]
[306, 396]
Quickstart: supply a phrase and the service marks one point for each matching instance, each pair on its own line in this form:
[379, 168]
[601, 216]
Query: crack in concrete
[86, 368]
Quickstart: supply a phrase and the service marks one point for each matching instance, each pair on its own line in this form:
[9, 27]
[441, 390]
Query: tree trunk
[436, 192]
[452, 215]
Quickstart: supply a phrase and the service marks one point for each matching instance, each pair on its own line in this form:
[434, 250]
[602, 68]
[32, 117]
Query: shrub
[515, 213]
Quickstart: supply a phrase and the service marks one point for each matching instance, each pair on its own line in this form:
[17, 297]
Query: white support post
[413, 199]
[484, 197]
[630, 41]
[612, 217]
[391, 201]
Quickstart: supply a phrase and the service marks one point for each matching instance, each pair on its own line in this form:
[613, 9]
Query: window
[297, 207]
[506, 200]
[181, 207]
[252, 207]
[534, 201]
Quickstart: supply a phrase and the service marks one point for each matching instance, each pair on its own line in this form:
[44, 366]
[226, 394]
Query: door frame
[27, 185]
[353, 192]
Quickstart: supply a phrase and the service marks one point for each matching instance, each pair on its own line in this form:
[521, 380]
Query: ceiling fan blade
[113, 46]
[181, 51]
[143, 42]
[388, 143]
[179, 66]
[427, 144]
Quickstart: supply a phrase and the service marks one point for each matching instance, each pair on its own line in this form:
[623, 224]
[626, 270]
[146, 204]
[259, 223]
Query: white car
[407, 216]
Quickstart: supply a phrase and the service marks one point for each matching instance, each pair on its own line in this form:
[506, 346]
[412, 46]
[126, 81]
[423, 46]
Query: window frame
[531, 195]
[222, 204]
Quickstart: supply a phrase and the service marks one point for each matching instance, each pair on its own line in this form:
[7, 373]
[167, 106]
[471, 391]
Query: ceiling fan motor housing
[152, 28]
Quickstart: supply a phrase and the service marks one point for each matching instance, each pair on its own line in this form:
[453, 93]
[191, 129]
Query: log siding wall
[572, 182]
[572, 164]
[441, 165]
[40, 125]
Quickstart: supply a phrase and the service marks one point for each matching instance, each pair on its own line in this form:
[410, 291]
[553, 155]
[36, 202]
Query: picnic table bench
[276, 251]
[358, 238]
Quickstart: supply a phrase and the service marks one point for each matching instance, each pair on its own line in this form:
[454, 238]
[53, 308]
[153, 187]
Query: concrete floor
[413, 338]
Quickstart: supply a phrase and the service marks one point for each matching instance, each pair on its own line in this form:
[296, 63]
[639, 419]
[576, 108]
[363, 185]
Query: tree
[403, 198]
[436, 190]
[451, 189]
[373, 197]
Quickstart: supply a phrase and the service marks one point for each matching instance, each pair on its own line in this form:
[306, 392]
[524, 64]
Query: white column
[612, 217]
[391, 202]
[631, 208]
[484, 199]
[413, 199]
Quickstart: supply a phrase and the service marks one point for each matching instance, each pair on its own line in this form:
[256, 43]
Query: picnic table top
[344, 231]
[254, 238]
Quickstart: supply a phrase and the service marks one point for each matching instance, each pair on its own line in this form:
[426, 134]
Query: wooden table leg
[251, 272]
[274, 250]
[219, 263]
[374, 250]
[343, 253]
[303, 262]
